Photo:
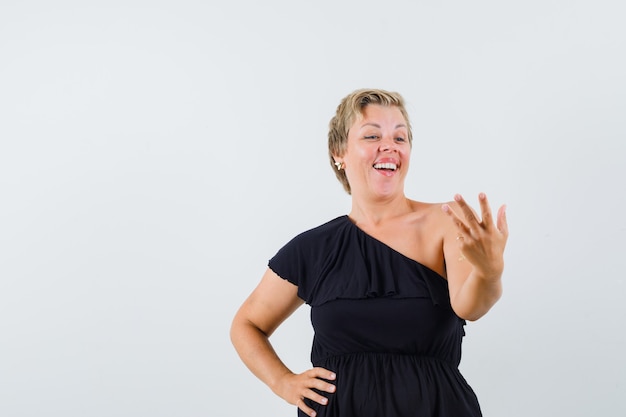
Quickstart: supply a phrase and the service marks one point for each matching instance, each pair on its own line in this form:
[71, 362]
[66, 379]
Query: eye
[371, 137]
[400, 139]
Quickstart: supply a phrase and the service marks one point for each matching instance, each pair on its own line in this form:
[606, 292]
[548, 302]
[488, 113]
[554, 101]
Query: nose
[387, 144]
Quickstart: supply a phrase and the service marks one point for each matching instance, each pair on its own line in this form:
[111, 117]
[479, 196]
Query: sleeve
[294, 262]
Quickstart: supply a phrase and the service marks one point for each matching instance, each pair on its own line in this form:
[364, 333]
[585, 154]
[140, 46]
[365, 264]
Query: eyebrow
[378, 126]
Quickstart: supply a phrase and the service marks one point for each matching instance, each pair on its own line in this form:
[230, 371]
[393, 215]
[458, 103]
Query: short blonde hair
[349, 109]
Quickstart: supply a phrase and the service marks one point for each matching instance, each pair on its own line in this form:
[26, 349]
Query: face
[378, 152]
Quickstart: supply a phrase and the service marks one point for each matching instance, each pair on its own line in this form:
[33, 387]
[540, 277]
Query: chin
[388, 191]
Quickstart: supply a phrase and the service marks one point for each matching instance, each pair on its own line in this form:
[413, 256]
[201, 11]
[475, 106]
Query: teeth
[386, 165]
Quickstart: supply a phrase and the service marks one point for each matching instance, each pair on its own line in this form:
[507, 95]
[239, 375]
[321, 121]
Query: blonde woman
[390, 284]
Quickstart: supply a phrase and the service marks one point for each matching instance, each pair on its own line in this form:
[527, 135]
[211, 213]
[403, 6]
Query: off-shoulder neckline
[348, 220]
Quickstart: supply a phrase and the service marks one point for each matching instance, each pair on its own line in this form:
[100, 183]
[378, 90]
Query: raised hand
[481, 242]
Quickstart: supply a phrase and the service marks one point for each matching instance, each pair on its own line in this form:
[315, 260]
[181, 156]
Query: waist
[385, 359]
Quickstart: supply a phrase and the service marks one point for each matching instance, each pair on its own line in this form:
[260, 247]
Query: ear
[338, 157]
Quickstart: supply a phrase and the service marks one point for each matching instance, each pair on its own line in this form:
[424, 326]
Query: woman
[390, 285]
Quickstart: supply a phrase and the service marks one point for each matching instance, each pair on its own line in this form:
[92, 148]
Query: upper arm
[272, 301]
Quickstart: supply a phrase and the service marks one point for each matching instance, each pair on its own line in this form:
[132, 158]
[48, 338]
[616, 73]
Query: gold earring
[339, 165]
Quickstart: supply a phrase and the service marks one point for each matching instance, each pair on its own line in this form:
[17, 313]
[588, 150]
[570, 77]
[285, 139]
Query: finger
[461, 227]
[468, 212]
[307, 410]
[485, 211]
[324, 386]
[319, 372]
[319, 378]
[502, 223]
[321, 385]
[314, 396]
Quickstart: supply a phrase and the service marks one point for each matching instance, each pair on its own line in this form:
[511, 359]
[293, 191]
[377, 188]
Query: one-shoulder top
[382, 322]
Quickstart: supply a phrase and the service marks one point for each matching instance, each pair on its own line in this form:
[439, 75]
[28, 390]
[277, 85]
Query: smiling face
[378, 151]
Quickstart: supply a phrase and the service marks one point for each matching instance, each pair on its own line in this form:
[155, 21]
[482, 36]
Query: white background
[154, 155]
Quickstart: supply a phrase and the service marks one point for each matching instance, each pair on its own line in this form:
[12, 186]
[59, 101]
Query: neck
[373, 212]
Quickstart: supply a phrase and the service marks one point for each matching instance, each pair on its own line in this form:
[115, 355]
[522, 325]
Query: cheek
[359, 155]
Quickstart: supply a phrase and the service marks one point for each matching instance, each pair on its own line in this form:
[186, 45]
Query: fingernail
[481, 196]
[333, 376]
[445, 208]
[457, 197]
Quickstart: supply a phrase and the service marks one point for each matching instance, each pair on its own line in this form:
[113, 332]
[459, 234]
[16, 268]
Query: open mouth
[386, 166]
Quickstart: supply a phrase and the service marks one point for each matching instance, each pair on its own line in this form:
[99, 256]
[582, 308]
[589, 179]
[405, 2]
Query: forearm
[257, 353]
[477, 295]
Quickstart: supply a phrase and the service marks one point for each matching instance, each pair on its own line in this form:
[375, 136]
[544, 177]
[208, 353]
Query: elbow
[243, 330]
[234, 332]
[238, 330]
[472, 310]
[472, 316]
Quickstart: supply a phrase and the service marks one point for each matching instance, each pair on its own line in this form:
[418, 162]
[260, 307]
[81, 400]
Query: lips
[388, 166]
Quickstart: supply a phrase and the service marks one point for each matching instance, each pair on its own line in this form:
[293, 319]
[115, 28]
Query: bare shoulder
[431, 213]
[431, 220]
[430, 228]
